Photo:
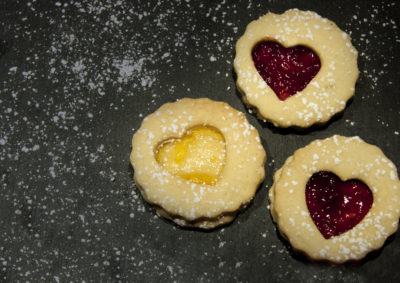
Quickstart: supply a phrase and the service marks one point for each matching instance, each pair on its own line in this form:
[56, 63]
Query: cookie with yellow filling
[197, 161]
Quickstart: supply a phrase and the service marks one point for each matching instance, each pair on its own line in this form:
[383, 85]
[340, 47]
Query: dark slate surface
[77, 78]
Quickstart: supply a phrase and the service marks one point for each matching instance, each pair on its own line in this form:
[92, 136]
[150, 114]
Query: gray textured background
[77, 78]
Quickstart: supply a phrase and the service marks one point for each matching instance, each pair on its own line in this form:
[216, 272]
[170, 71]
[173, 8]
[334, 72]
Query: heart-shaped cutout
[198, 156]
[336, 206]
[285, 70]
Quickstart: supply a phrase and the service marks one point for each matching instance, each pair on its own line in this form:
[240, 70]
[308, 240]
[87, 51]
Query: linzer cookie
[296, 69]
[198, 162]
[336, 199]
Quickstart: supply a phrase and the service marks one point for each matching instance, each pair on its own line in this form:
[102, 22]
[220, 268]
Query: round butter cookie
[197, 161]
[296, 69]
[336, 199]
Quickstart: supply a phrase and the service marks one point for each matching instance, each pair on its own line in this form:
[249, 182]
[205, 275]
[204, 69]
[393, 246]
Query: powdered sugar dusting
[73, 77]
[76, 80]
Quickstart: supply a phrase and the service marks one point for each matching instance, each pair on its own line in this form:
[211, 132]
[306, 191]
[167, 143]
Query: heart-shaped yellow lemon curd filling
[198, 156]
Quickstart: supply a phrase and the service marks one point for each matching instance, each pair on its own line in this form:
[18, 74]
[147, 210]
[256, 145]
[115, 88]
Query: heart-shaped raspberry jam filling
[336, 206]
[285, 70]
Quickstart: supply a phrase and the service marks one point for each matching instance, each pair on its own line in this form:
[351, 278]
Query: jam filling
[198, 156]
[336, 206]
[285, 70]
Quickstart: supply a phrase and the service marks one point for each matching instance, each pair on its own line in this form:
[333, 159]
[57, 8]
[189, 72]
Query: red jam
[285, 70]
[336, 206]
